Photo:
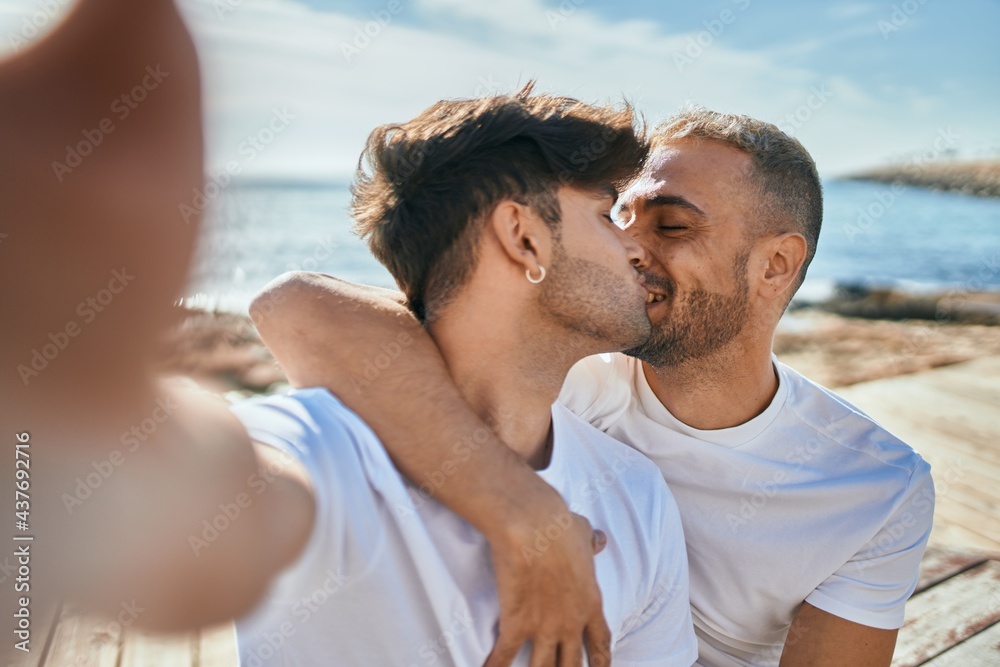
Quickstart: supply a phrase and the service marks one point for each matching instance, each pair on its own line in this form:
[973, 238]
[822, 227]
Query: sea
[874, 235]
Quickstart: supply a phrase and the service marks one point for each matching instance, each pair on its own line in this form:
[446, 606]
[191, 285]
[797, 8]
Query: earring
[534, 281]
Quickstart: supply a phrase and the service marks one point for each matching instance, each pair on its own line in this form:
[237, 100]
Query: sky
[293, 87]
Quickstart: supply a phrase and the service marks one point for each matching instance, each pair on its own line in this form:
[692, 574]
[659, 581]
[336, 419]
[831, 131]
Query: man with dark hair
[201, 521]
[387, 575]
[805, 520]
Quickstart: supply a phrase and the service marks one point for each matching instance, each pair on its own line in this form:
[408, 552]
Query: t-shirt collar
[727, 437]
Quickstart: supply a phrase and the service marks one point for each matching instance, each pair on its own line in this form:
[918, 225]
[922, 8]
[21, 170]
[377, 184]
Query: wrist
[520, 511]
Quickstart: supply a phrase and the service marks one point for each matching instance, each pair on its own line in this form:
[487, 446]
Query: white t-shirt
[810, 500]
[390, 577]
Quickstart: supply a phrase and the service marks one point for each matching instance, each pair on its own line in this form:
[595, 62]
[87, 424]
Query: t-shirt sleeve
[872, 587]
[663, 632]
[595, 386]
[315, 429]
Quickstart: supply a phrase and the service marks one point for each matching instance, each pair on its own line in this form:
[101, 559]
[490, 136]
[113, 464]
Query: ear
[522, 235]
[785, 255]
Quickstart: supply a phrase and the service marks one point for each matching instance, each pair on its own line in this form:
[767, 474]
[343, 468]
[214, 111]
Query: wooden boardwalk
[951, 415]
[76, 640]
[953, 618]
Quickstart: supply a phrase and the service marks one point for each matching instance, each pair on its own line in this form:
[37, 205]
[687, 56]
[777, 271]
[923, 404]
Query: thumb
[599, 540]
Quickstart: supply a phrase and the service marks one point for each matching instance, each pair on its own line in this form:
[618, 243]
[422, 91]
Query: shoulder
[859, 450]
[302, 418]
[605, 468]
[839, 422]
[601, 451]
[598, 386]
[335, 445]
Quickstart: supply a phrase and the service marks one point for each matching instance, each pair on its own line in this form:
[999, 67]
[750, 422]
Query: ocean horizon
[875, 235]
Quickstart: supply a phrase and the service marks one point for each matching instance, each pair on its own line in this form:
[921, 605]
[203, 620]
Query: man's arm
[820, 639]
[370, 351]
[125, 472]
[872, 588]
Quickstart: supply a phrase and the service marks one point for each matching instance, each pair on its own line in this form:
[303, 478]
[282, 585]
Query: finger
[543, 653]
[504, 651]
[599, 540]
[597, 641]
[571, 654]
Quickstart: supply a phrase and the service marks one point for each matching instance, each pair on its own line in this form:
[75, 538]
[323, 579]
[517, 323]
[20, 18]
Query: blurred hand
[548, 592]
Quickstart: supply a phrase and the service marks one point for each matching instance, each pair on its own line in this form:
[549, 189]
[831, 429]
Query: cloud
[343, 74]
[340, 73]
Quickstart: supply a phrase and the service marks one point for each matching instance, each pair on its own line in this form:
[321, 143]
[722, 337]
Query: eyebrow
[671, 200]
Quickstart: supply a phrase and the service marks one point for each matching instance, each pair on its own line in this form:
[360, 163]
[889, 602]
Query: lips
[655, 297]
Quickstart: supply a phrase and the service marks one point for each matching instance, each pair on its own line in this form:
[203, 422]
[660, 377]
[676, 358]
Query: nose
[637, 255]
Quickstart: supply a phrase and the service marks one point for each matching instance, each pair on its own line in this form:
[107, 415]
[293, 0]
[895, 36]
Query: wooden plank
[980, 650]
[975, 523]
[89, 637]
[940, 563]
[949, 613]
[945, 532]
[149, 650]
[217, 647]
[980, 388]
[923, 389]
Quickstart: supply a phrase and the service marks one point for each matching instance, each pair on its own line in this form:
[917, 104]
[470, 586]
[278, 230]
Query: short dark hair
[423, 188]
[785, 179]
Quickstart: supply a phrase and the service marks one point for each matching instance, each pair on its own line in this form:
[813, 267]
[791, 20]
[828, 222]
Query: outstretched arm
[369, 350]
[100, 124]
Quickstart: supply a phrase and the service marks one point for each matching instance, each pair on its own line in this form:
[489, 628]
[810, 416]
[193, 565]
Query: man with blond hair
[805, 520]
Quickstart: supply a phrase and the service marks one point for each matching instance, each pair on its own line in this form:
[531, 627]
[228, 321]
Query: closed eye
[671, 228]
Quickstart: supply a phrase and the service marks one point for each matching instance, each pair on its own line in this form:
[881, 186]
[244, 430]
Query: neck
[722, 390]
[506, 371]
